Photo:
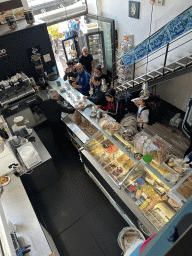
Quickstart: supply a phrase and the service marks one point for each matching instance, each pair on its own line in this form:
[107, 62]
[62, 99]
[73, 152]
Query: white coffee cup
[16, 139]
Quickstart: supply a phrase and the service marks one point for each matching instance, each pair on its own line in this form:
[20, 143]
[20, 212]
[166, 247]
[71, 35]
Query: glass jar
[11, 21]
[29, 16]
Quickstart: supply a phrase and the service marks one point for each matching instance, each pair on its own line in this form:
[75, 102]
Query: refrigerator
[71, 48]
[95, 44]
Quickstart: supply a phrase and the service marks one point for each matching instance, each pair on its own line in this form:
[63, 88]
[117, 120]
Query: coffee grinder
[42, 75]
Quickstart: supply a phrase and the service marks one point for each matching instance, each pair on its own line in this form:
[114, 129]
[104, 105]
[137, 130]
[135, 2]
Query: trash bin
[129, 239]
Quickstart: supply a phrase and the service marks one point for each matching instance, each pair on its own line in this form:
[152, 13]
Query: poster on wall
[156, 2]
[14, 7]
[134, 9]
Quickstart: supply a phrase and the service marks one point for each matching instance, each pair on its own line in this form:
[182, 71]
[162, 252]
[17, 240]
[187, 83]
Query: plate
[104, 122]
[6, 183]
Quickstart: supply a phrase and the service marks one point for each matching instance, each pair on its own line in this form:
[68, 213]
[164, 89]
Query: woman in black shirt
[99, 73]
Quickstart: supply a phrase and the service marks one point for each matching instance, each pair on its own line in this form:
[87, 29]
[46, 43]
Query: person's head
[142, 102]
[96, 80]
[98, 70]
[85, 51]
[53, 94]
[110, 95]
[79, 68]
[70, 63]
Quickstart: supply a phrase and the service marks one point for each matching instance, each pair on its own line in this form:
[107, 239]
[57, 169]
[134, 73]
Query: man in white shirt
[142, 114]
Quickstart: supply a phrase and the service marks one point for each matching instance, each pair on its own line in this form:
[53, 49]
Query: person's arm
[66, 109]
[97, 98]
[65, 76]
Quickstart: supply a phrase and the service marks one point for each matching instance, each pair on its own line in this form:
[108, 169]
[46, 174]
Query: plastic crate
[139, 140]
[161, 149]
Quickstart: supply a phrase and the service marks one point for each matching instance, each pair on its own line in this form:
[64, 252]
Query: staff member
[113, 106]
[98, 72]
[86, 60]
[98, 96]
[83, 80]
[142, 114]
[52, 110]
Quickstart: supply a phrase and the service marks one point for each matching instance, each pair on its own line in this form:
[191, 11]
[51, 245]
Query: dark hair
[97, 78]
[110, 93]
[69, 62]
[98, 68]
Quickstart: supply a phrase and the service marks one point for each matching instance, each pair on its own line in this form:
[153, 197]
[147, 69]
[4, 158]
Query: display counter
[139, 190]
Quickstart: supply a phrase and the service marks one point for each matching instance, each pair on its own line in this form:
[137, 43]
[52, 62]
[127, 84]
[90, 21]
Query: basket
[172, 169]
[129, 238]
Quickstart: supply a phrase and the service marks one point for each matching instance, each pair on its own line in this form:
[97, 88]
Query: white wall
[176, 91]
[119, 11]
[94, 6]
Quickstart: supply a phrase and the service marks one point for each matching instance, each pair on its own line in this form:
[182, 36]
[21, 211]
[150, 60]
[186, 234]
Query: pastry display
[87, 126]
[178, 165]
[129, 134]
[112, 149]
[186, 188]
[113, 126]
[106, 161]
[148, 190]
[101, 156]
[117, 154]
[117, 172]
[111, 166]
[104, 123]
[97, 151]
[107, 144]
[129, 164]
[122, 159]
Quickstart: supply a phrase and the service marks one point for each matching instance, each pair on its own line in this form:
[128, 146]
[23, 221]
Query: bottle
[4, 134]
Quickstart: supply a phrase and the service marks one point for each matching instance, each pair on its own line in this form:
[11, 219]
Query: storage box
[161, 149]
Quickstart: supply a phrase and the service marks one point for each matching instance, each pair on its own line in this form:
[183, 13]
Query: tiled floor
[77, 214]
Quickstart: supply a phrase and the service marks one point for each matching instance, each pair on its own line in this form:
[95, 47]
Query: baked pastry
[111, 166]
[122, 159]
[4, 179]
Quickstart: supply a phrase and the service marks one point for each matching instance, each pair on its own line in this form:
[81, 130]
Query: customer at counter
[113, 106]
[98, 72]
[83, 80]
[70, 72]
[86, 60]
[98, 96]
[53, 109]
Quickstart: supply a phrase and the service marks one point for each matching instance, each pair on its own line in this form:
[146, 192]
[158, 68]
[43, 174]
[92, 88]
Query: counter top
[19, 211]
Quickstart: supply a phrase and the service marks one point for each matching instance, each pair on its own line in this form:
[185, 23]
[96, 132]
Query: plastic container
[159, 149]
[29, 16]
[140, 138]
[11, 21]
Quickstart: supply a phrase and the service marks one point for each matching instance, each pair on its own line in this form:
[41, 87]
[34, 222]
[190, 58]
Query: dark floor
[78, 216]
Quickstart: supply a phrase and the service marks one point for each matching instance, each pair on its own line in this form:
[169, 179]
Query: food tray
[179, 169]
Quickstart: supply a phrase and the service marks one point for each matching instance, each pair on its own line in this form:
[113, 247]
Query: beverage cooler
[70, 47]
[95, 44]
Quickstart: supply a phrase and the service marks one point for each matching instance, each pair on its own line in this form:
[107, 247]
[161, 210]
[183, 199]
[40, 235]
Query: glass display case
[95, 42]
[70, 47]
[143, 187]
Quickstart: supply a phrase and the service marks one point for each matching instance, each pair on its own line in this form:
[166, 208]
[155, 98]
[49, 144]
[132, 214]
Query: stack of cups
[1, 144]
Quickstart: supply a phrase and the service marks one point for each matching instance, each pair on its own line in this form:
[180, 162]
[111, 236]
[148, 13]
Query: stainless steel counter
[19, 211]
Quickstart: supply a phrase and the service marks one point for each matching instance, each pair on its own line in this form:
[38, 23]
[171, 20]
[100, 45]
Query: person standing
[86, 59]
[52, 110]
[98, 72]
[70, 72]
[113, 106]
[98, 96]
[82, 82]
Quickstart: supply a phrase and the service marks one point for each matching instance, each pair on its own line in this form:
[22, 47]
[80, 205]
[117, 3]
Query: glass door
[70, 49]
[107, 27]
